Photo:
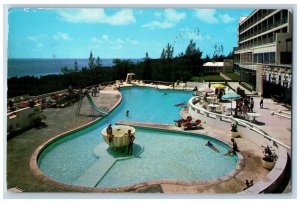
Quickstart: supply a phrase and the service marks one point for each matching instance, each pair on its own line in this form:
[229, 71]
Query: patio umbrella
[219, 86]
[208, 90]
[231, 96]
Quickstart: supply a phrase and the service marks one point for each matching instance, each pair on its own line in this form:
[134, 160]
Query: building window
[260, 58]
[272, 57]
[266, 57]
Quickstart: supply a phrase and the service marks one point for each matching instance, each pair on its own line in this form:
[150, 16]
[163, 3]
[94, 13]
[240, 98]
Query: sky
[118, 32]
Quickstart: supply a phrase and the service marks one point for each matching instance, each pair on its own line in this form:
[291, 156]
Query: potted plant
[269, 158]
[234, 131]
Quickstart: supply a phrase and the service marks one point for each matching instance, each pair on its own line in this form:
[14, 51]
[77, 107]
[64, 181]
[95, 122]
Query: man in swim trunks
[109, 134]
[130, 144]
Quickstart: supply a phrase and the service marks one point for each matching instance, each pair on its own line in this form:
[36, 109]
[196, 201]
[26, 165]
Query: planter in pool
[120, 137]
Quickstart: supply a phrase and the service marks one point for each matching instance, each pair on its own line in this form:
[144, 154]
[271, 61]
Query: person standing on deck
[261, 103]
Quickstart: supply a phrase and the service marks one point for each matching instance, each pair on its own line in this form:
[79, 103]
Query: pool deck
[21, 148]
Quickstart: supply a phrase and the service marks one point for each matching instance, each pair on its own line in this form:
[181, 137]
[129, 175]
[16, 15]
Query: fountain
[120, 137]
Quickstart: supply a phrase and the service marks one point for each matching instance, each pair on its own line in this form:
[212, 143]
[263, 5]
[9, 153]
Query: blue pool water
[165, 155]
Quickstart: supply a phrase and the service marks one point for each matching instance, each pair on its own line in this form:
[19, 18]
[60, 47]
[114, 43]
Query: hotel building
[264, 52]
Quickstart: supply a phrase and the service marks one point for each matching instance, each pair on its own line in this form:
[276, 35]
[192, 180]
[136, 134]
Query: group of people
[232, 150]
[94, 91]
[244, 105]
[219, 92]
[131, 137]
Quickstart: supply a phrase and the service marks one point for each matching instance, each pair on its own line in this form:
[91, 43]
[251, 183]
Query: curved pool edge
[133, 187]
[274, 177]
[33, 163]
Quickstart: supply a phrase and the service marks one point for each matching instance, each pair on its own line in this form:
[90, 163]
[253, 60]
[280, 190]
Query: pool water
[172, 156]
[165, 155]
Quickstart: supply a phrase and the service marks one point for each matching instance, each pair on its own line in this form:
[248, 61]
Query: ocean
[40, 67]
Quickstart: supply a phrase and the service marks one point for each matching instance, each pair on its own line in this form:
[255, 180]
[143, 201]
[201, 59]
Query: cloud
[34, 39]
[210, 16]
[39, 45]
[61, 36]
[96, 40]
[120, 41]
[173, 16]
[132, 41]
[106, 38]
[169, 19]
[157, 24]
[226, 18]
[117, 47]
[38, 37]
[113, 43]
[198, 36]
[122, 17]
[207, 15]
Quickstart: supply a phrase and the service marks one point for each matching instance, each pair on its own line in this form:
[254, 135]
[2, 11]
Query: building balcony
[264, 29]
[267, 41]
[256, 19]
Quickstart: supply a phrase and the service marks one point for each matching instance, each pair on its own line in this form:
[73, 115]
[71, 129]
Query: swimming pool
[83, 159]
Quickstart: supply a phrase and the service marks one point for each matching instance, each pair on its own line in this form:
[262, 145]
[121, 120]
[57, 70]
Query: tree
[65, 70]
[163, 54]
[98, 62]
[147, 69]
[146, 57]
[169, 52]
[218, 52]
[230, 55]
[193, 59]
[75, 67]
[192, 51]
[91, 61]
[207, 58]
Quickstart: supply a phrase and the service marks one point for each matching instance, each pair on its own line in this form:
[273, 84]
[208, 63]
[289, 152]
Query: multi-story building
[264, 49]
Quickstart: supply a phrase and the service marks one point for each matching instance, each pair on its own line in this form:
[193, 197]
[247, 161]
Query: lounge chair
[192, 125]
[180, 122]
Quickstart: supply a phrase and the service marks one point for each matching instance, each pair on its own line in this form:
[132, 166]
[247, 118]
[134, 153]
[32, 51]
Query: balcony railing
[264, 29]
[255, 20]
[257, 43]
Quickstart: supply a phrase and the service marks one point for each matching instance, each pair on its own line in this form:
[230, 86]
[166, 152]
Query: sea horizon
[20, 67]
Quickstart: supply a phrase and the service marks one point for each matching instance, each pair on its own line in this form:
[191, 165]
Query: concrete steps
[107, 158]
[96, 172]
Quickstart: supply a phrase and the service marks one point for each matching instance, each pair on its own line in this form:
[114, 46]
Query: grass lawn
[233, 76]
[208, 78]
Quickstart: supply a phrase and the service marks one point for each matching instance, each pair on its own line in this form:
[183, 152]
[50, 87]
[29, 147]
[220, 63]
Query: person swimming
[210, 145]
